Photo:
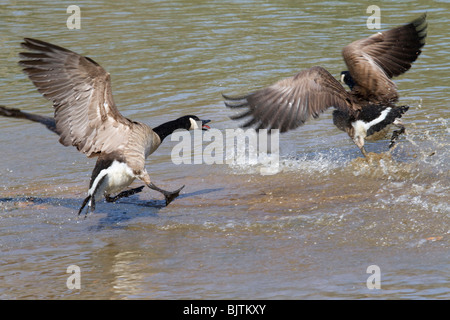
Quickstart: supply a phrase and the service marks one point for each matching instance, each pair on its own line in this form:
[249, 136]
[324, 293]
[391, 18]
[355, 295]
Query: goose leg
[84, 204]
[398, 123]
[124, 194]
[90, 199]
[91, 206]
[169, 195]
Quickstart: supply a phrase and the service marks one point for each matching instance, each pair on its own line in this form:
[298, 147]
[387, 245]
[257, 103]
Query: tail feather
[236, 102]
[389, 118]
[236, 98]
[49, 122]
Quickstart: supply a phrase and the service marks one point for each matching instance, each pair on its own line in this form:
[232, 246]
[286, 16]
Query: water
[308, 232]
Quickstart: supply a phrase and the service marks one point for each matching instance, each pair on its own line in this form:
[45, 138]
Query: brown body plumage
[86, 117]
[370, 103]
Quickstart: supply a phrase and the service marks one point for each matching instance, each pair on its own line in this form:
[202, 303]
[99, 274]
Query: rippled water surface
[309, 231]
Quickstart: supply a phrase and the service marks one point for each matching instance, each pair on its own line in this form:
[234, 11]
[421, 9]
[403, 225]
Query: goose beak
[204, 125]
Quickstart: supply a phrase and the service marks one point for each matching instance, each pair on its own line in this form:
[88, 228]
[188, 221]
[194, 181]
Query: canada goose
[86, 117]
[368, 108]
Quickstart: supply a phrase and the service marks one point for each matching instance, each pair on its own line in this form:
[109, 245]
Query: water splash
[323, 162]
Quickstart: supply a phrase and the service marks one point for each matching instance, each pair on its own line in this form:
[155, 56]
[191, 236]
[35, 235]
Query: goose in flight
[86, 117]
[363, 112]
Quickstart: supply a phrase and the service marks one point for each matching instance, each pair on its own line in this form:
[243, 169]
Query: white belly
[112, 179]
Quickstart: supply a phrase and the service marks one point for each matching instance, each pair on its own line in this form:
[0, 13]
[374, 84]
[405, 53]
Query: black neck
[349, 81]
[168, 128]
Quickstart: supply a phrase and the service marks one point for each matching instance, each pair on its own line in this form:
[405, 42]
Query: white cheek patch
[194, 124]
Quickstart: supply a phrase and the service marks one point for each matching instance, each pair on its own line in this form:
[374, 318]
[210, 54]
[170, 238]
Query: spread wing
[373, 61]
[80, 89]
[290, 102]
